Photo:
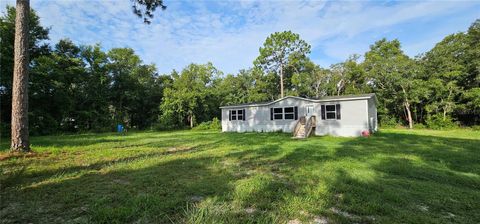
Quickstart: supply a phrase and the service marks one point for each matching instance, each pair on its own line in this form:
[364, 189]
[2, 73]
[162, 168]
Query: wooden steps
[304, 127]
[301, 132]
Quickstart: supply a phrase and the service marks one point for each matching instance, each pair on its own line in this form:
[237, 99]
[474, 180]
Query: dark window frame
[277, 114]
[331, 111]
[292, 113]
[237, 115]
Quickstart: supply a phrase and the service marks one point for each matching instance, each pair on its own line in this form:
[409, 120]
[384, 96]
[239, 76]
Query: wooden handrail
[301, 121]
[312, 122]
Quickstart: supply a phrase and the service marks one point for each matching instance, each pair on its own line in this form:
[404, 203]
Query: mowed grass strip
[395, 176]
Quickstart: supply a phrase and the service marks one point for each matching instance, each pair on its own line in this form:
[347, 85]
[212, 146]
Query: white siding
[352, 122]
[355, 115]
[372, 115]
[258, 118]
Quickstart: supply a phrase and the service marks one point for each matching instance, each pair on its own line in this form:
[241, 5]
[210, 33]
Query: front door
[308, 111]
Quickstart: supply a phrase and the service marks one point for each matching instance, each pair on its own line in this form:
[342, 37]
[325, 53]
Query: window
[331, 112]
[234, 115]
[240, 115]
[277, 113]
[285, 113]
[289, 113]
[237, 115]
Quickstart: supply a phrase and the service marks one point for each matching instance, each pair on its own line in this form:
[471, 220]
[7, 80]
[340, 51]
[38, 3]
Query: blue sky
[229, 33]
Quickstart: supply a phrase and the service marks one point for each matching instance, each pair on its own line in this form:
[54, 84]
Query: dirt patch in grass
[294, 221]
[122, 182]
[180, 149]
[16, 155]
[196, 198]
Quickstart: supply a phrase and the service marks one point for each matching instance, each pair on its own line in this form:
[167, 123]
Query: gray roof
[321, 99]
[366, 95]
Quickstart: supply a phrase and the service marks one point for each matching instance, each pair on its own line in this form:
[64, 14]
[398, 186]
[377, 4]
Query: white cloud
[229, 33]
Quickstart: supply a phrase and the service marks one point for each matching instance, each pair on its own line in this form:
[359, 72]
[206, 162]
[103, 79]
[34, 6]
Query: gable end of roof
[323, 99]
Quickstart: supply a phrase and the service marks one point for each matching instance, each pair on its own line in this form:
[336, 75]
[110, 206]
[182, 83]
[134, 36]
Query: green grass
[396, 176]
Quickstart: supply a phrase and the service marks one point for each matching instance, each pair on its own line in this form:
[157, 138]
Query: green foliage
[439, 122]
[282, 53]
[214, 124]
[165, 124]
[81, 88]
[5, 129]
[281, 48]
[145, 9]
[192, 97]
[394, 77]
[37, 47]
[419, 126]
[388, 122]
[451, 68]
[247, 86]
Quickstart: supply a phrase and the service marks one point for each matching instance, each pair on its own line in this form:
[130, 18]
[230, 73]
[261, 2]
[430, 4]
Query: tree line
[19, 127]
[74, 88]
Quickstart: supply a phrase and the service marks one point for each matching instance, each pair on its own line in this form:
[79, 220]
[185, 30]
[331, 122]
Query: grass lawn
[396, 176]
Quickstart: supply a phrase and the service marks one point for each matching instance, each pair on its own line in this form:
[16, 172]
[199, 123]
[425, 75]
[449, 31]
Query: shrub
[438, 122]
[419, 126]
[164, 124]
[388, 122]
[4, 129]
[476, 127]
[43, 125]
[209, 125]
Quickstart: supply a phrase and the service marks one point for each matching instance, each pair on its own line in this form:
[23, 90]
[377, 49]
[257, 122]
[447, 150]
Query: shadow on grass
[263, 178]
[398, 178]
[30, 178]
[157, 193]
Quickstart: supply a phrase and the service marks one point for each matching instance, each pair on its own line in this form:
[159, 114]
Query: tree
[191, 97]
[306, 79]
[278, 50]
[451, 69]
[320, 80]
[36, 48]
[469, 103]
[148, 90]
[20, 140]
[249, 85]
[445, 68]
[19, 123]
[95, 114]
[58, 80]
[123, 87]
[82, 88]
[349, 77]
[235, 89]
[145, 8]
[394, 77]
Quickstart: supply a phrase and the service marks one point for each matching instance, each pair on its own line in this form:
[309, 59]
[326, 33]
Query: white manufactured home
[334, 115]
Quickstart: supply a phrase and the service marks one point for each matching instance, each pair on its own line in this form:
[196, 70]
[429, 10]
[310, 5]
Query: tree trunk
[444, 113]
[339, 87]
[281, 81]
[406, 104]
[20, 141]
[191, 121]
[409, 115]
[317, 90]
